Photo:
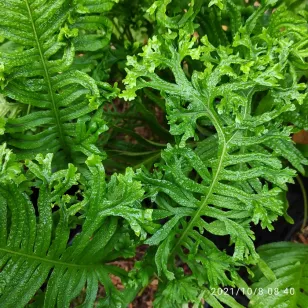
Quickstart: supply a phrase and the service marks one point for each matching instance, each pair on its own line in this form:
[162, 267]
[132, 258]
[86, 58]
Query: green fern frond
[292, 24]
[35, 245]
[289, 263]
[94, 27]
[238, 175]
[39, 75]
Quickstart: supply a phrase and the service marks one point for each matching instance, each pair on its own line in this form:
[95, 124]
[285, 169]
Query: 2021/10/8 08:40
[250, 291]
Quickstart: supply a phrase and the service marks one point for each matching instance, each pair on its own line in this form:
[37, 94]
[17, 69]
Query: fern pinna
[40, 74]
[236, 175]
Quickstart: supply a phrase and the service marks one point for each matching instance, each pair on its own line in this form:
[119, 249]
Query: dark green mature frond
[236, 176]
[94, 28]
[35, 242]
[59, 100]
[289, 289]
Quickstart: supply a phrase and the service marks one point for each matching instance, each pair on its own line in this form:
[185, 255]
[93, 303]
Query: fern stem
[193, 95]
[204, 203]
[28, 109]
[45, 259]
[302, 186]
[197, 214]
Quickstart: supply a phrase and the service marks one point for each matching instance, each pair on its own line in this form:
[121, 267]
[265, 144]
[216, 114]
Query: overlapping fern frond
[237, 175]
[289, 264]
[228, 75]
[36, 246]
[38, 74]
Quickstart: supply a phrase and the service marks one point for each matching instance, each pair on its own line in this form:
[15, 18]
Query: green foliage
[185, 143]
[288, 261]
[35, 237]
[40, 74]
[241, 181]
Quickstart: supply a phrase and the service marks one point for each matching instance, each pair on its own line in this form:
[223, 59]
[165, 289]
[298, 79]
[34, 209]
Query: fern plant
[287, 287]
[235, 176]
[36, 245]
[192, 147]
[62, 102]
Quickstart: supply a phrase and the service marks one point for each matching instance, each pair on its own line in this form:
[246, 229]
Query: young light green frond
[160, 7]
[35, 242]
[59, 99]
[10, 169]
[9, 110]
[288, 261]
[176, 293]
[235, 176]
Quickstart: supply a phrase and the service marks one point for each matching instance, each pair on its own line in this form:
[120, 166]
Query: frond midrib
[220, 167]
[46, 260]
[47, 79]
